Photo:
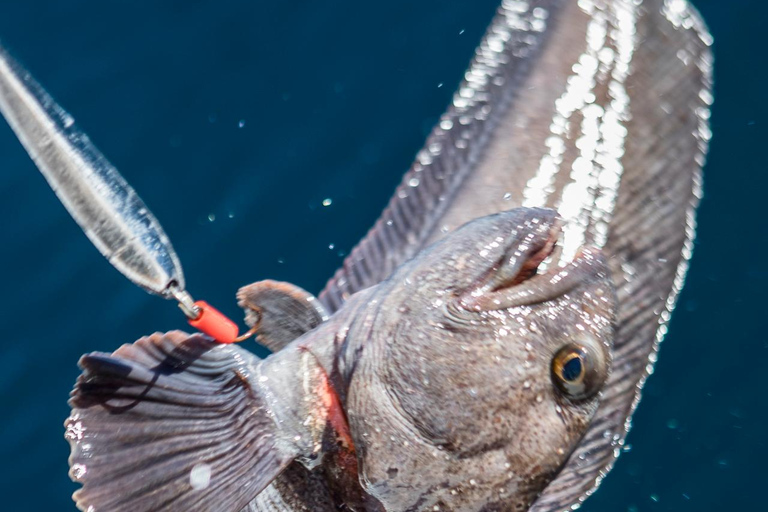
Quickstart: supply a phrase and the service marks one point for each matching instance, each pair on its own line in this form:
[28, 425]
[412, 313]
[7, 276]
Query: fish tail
[173, 422]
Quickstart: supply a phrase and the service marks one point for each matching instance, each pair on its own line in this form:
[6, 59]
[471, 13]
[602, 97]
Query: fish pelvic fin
[279, 312]
[175, 422]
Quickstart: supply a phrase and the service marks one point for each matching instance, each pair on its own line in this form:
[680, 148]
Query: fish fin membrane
[650, 237]
[280, 311]
[171, 422]
[456, 144]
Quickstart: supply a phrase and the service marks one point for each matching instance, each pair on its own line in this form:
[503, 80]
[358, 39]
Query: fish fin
[456, 144]
[280, 311]
[172, 422]
[650, 237]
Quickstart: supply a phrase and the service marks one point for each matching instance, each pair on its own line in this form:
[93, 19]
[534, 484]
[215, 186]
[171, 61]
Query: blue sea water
[235, 120]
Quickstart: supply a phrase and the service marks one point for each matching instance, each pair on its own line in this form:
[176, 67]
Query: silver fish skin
[463, 382]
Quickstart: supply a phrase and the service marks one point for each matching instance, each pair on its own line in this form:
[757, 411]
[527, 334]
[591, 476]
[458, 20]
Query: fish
[461, 382]
[597, 110]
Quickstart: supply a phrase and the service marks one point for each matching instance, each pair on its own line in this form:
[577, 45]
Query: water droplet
[78, 471]
[200, 476]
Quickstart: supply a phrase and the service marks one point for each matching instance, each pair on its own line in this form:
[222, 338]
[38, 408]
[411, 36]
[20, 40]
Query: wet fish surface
[447, 367]
[599, 109]
[462, 382]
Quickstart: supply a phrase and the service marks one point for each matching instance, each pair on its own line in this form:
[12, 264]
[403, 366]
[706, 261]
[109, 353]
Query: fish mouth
[528, 272]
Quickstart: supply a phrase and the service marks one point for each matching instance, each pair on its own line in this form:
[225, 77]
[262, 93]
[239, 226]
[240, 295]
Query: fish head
[481, 373]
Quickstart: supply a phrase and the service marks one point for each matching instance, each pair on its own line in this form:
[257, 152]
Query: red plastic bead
[213, 323]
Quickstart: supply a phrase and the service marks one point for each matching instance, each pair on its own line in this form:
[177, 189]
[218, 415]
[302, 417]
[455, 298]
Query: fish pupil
[572, 369]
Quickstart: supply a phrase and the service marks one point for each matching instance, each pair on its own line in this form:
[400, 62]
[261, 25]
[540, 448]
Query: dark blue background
[336, 98]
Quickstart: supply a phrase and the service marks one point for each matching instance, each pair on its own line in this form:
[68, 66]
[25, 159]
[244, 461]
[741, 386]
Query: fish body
[447, 385]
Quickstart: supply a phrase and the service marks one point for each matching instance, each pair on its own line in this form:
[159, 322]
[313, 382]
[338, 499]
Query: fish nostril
[530, 266]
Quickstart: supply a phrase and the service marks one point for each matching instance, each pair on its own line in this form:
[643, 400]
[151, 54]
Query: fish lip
[522, 285]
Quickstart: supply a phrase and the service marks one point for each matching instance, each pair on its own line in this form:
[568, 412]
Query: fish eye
[577, 371]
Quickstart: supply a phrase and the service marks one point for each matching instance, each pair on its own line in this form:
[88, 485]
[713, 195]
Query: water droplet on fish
[78, 471]
[75, 431]
[200, 476]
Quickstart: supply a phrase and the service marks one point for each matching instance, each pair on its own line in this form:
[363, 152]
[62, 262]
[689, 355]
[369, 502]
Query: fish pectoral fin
[172, 422]
[280, 312]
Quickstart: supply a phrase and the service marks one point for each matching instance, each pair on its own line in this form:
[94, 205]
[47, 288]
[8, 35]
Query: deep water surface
[235, 120]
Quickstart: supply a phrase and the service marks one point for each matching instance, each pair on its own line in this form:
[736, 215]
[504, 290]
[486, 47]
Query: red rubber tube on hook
[213, 323]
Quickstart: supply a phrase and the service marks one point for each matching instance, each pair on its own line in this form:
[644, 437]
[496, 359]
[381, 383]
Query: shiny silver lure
[106, 207]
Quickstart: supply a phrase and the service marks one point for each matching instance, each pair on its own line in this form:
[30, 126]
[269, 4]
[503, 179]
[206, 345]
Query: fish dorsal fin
[457, 143]
[178, 422]
[280, 312]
